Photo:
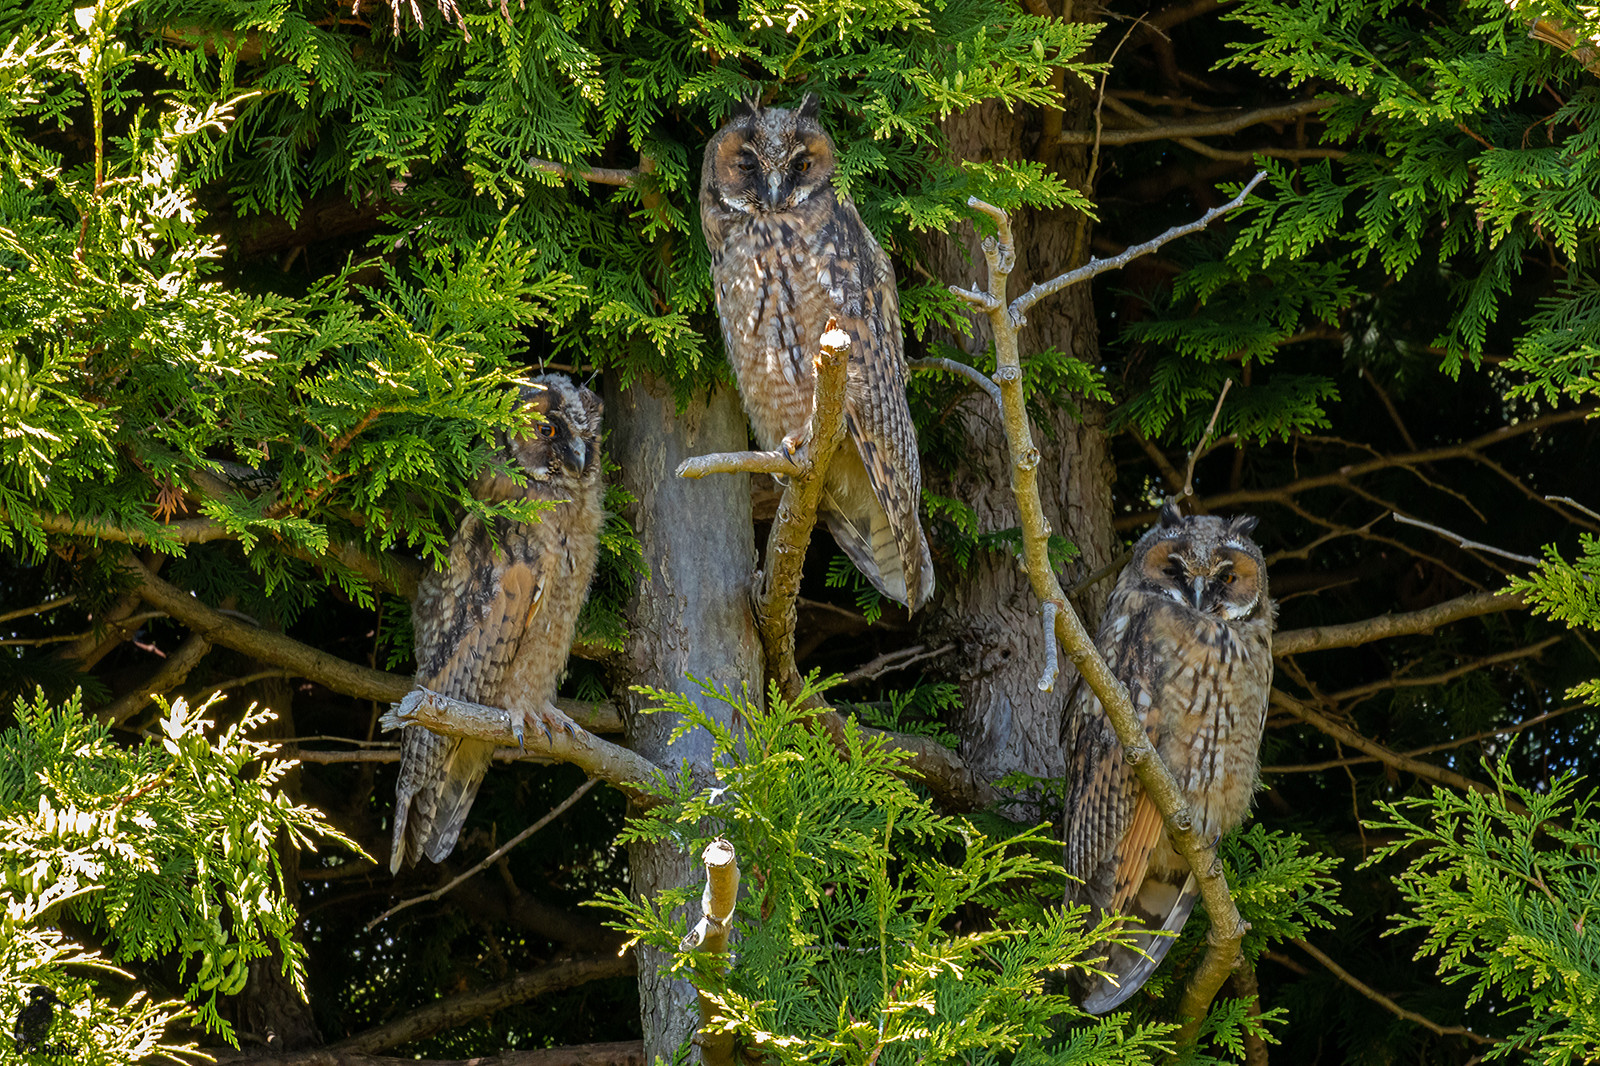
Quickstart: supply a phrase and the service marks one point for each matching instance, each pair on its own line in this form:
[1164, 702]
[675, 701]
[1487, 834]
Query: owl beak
[1199, 586]
[774, 184]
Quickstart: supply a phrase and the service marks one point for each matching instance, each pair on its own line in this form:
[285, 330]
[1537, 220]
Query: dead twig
[492, 857]
[1385, 1002]
[1471, 545]
[1199, 449]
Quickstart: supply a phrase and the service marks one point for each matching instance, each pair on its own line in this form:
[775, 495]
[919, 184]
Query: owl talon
[517, 730]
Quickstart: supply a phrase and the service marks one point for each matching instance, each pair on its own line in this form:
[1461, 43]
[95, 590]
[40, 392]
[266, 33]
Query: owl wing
[477, 614]
[886, 541]
[1116, 839]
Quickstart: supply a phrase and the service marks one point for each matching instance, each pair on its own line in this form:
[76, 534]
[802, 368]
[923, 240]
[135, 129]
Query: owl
[789, 252]
[495, 627]
[1188, 630]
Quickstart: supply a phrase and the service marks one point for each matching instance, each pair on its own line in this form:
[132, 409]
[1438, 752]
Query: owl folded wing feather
[485, 621]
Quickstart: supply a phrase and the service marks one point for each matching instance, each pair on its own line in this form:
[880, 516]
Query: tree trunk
[990, 612]
[691, 616]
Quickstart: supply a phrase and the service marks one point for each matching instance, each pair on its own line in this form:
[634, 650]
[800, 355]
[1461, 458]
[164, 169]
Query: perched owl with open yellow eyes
[789, 252]
[495, 627]
[1188, 630]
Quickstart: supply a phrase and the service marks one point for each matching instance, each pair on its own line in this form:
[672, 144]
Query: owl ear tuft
[536, 397]
[1243, 525]
[810, 106]
[747, 107]
[1171, 517]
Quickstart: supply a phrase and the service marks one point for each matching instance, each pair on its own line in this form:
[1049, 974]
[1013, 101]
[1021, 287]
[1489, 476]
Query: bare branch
[1472, 666]
[1565, 500]
[39, 608]
[1345, 735]
[971, 373]
[1334, 764]
[618, 1053]
[620, 767]
[1352, 634]
[1384, 1001]
[710, 936]
[492, 857]
[1568, 500]
[457, 1009]
[1463, 541]
[595, 175]
[1228, 928]
[1199, 449]
[1052, 665]
[899, 659]
[776, 463]
[1094, 267]
[1345, 475]
[172, 673]
[1210, 126]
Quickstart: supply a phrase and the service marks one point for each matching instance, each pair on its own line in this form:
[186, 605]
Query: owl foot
[796, 448]
[546, 717]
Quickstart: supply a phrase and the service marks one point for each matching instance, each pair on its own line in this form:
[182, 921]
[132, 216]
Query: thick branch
[1228, 928]
[172, 674]
[612, 763]
[335, 673]
[776, 463]
[596, 175]
[1351, 634]
[1209, 126]
[710, 936]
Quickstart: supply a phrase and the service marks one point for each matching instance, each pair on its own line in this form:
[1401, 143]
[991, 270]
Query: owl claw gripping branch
[494, 628]
[789, 253]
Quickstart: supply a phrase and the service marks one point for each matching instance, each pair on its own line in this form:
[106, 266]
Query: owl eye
[747, 166]
[802, 165]
[1229, 578]
[546, 430]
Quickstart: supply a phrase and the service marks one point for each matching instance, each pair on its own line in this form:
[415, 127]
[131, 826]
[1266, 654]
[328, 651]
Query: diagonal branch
[1352, 634]
[1209, 126]
[1228, 928]
[616, 1053]
[490, 859]
[335, 673]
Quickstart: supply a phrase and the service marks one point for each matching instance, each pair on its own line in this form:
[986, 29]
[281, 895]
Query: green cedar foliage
[874, 929]
[165, 849]
[1502, 886]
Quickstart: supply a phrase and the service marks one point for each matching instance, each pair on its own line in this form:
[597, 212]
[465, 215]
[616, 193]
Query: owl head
[563, 447]
[1208, 564]
[766, 160]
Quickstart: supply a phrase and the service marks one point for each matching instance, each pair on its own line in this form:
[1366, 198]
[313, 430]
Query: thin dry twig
[1568, 500]
[1471, 545]
[493, 857]
[971, 373]
[594, 175]
[1333, 764]
[39, 608]
[1199, 449]
[1052, 667]
[1384, 1001]
[1210, 126]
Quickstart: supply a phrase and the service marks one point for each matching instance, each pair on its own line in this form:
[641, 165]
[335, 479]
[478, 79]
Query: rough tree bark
[691, 616]
[990, 613]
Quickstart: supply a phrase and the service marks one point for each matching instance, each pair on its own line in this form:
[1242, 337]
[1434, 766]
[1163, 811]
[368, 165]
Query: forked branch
[1228, 928]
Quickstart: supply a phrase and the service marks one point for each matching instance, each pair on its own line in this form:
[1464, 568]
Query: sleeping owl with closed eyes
[1188, 630]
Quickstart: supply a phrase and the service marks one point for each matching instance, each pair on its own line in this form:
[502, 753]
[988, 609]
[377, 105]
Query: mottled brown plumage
[789, 252]
[1188, 630]
[495, 627]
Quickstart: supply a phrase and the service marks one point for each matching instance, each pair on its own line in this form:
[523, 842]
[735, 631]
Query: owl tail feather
[439, 779]
[894, 557]
[1163, 907]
